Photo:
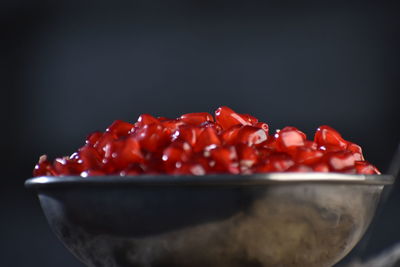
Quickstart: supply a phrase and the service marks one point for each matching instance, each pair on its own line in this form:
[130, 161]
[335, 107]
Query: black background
[70, 68]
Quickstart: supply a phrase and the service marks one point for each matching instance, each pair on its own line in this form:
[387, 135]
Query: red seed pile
[198, 144]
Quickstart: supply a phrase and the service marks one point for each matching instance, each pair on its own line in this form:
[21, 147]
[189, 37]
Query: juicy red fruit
[176, 154]
[227, 118]
[251, 135]
[341, 160]
[330, 139]
[198, 144]
[196, 118]
[44, 168]
[288, 138]
[225, 160]
[120, 128]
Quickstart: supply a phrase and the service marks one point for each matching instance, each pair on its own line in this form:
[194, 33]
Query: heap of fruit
[198, 144]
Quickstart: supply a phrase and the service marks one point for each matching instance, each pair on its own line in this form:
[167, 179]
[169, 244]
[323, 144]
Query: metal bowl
[276, 219]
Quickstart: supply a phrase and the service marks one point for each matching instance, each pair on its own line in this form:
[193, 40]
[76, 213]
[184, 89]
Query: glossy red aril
[207, 138]
[214, 125]
[270, 143]
[250, 119]
[225, 159]
[172, 125]
[357, 151]
[321, 167]
[364, 167]
[198, 144]
[146, 119]
[251, 135]
[176, 153]
[103, 144]
[229, 137]
[92, 138]
[227, 118]
[133, 169]
[276, 162]
[310, 145]
[262, 125]
[264, 153]
[67, 166]
[190, 168]
[119, 128]
[329, 138]
[161, 119]
[288, 138]
[44, 168]
[91, 159]
[151, 137]
[341, 160]
[196, 118]
[187, 134]
[125, 152]
[247, 155]
[307, 155]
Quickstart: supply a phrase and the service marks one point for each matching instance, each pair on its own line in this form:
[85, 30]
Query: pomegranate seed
[250, 119]
[229, 137]
[103, 143]
[195, 144]
[146, 119]
[66, 166]
[207, 137]
[251, 135]
[119, 128]
[214, 125]
[363, 167]
[191, 169]
[44, 168]
[176, 153]
[288, 138]
[227, 118]
[330, 139]
[133, 169]
[311, 145]
[197, 118]
[125, 152]
[225, 159]
[172, 125]
[270, 143]
[152, 137]
[277, 162]
[93, 138]
[90, 157]
[264, 153]
[307, 155]
[187, 134]
[357, 151]
[321, 167]
[247, 155]
[162, 119]
[341, 160]
[263, 126]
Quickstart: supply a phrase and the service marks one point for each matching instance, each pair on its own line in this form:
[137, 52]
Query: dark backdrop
[70, 68]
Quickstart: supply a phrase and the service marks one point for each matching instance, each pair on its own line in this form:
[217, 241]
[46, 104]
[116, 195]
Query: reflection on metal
[280, 219]
[253, 179]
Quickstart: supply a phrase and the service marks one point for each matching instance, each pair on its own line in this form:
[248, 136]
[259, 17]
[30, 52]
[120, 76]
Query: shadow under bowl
[275, 219]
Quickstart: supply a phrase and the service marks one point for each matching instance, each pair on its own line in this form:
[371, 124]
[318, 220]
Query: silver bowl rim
[43, 182]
